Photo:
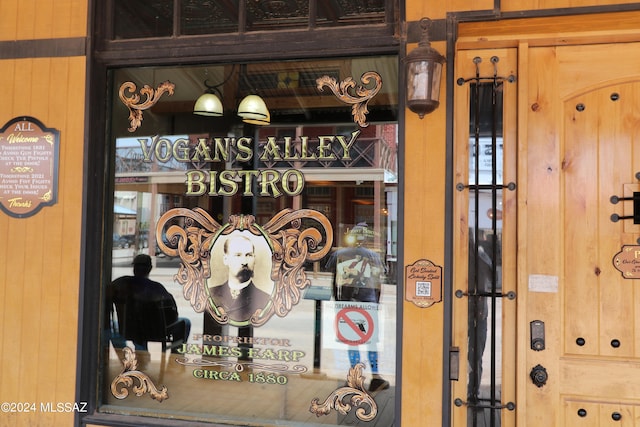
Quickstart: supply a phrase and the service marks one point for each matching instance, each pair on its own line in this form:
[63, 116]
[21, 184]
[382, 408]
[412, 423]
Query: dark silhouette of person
[139, 303]
[239, 296]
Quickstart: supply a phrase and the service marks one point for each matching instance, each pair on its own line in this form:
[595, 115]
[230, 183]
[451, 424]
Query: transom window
[172, 18]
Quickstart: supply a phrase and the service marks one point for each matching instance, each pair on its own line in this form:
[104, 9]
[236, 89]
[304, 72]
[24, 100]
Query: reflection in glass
[267, 374]
[485, 233]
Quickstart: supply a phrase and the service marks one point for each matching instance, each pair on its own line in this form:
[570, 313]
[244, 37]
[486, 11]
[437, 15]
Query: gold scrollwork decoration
[192, 243]
[127, 376]
[133, 102]
[46, 196]
[22, 169]
[291, 247]
[349, 92]
[359, 397]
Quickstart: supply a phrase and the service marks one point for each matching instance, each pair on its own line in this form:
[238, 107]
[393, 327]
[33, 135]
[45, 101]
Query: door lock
[537, 335]
[539, 375]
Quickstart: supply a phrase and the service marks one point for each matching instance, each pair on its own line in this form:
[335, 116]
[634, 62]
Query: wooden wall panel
[8, 19]
[438, 9]
[424, 215]
[42, 19]
[40, 271]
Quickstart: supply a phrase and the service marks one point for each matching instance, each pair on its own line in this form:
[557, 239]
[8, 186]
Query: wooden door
[579, 146]
[571, 147]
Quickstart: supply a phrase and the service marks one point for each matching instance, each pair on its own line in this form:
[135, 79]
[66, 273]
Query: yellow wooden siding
[424, 215]
[438, 9]
[42, 19]
[516, 5]
[39, 272]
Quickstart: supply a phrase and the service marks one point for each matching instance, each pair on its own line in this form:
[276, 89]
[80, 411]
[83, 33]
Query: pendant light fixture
[208, 104]
[253, 110]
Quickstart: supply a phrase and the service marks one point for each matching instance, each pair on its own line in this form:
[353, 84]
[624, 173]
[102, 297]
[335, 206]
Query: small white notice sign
[543, 283]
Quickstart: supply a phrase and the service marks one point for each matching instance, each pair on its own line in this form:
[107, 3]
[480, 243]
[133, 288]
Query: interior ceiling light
[253, 110]
[208, 105]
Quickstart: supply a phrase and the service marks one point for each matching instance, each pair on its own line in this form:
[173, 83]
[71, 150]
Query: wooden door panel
[580, 213]
[580, 145]
[579, 413]
[597, 163]
[540, 233]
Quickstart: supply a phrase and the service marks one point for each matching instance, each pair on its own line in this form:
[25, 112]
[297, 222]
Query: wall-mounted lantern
[424, 70]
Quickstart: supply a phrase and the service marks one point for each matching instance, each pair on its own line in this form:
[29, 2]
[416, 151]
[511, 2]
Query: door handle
[539, 375]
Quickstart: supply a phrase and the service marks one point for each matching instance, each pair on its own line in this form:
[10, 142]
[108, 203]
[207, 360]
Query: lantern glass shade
[423, 91]
[208, 105]
[253, 110]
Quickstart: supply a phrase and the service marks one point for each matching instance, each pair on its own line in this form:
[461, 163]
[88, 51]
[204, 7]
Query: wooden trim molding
[609, 27]
[43, 48]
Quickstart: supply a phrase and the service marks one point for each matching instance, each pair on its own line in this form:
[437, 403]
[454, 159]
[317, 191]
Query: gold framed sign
[28, 166]
[627, 261]
[281, 247]
[423, 283]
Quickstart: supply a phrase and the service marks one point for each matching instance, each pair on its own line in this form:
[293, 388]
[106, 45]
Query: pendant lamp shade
[253, 110]
[208, 105]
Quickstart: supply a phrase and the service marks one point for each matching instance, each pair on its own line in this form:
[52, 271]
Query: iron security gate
[484, 294]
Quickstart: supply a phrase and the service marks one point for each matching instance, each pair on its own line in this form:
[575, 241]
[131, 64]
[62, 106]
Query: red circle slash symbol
[353, 326]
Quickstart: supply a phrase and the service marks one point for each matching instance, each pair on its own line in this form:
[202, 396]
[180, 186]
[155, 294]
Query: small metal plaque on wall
[423, 283]
[28, 166]
[627, 261]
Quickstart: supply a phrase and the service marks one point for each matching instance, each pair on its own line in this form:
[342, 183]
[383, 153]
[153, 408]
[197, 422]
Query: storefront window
[253, 266]
[166, 18]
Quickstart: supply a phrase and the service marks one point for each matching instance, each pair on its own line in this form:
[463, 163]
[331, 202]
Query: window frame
[104, 54]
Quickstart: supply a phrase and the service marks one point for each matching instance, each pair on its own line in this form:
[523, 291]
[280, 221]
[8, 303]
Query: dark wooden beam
[437, 32]
[43, 48]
